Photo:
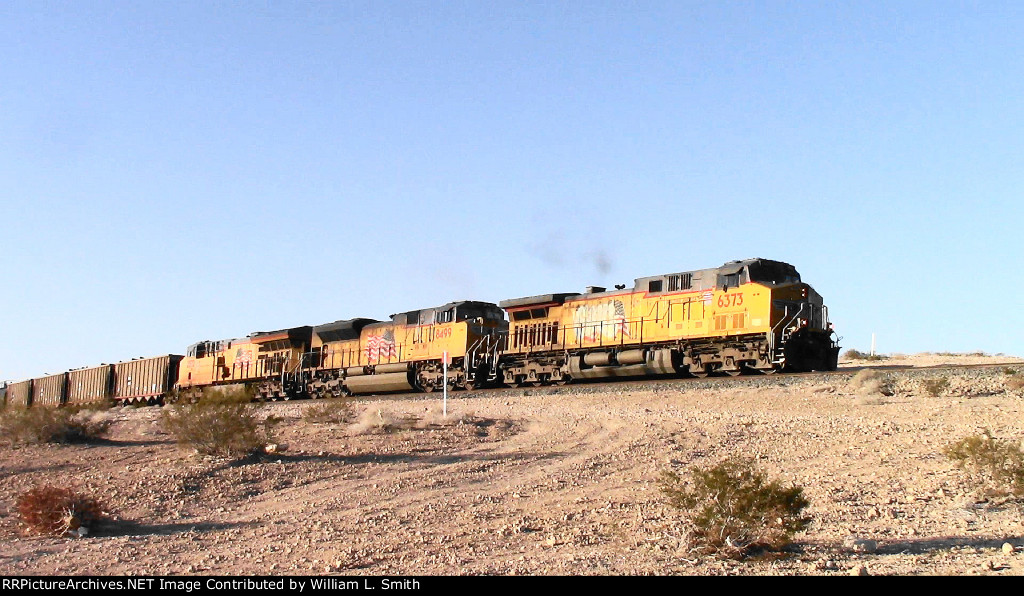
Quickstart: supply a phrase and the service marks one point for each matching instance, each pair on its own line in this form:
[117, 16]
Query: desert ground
[548, 481]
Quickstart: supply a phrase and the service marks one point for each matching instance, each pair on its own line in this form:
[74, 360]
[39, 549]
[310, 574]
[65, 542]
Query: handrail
[784, 322]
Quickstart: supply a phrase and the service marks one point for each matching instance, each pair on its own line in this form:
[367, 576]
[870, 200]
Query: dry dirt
[545, 481]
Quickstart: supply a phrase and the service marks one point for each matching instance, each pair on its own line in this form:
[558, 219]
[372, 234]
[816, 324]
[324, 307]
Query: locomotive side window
[534, 313]
[654, 286]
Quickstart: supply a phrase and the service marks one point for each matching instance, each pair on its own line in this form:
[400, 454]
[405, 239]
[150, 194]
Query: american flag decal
[620, 317]
[379, 347]
[607, 320]
[706, 297]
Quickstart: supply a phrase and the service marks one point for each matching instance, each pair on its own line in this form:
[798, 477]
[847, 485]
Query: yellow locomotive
[266, 361]
[752, 315]
[406, 353]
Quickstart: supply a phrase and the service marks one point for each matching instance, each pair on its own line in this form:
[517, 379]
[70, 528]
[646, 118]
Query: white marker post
[444, 362]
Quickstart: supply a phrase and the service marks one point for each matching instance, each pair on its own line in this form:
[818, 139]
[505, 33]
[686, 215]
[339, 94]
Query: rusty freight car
[90, 385]
[20, 394]
[145, 380]
[49, 390]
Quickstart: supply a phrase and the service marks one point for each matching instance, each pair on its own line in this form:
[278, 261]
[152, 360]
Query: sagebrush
[734, 511]
[225, 429]
[27, 426]
[870, 382]
[935, 387]
[56, 511]
[331, 411]
[996, 465]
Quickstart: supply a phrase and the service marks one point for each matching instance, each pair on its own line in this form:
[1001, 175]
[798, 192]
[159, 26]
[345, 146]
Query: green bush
[734, 511]
[997, 465]
[27, 426]
[224, 429]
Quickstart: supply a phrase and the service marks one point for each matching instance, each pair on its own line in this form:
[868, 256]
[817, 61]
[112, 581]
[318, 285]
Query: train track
[670, 383]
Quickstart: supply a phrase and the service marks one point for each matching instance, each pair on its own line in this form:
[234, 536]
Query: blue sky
[171, 172]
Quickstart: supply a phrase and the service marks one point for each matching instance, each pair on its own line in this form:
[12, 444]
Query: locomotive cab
[801, 335]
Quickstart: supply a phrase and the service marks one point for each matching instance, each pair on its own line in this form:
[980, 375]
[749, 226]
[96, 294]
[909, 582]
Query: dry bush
[869, 382]
[996, 465]
[1015, 382]
[377, 420]
[853, 354]
[935, 387]
[26, 426]
[233, 430]
[733, 511]
[434, 416]
[54, 511]
[331, 411]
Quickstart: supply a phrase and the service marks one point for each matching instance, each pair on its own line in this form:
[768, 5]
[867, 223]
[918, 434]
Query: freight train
[750, 316]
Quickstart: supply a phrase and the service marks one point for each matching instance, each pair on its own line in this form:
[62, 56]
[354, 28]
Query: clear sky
[179, 171]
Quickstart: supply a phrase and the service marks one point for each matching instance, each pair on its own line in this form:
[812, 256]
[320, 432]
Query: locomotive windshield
[487, 312]
[770, 272]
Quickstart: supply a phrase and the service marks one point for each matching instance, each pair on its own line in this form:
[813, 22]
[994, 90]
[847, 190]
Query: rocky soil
[546, 481]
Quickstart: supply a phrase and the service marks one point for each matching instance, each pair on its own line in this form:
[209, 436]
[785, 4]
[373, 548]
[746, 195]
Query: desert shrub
[935, 387]
[870, 382]
[997, 465]
[222, 429]
[853, 354]
[374, 420]
[1015, 382]
[734, 511]
[331, 411]
[55, 511]
[25, 426]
